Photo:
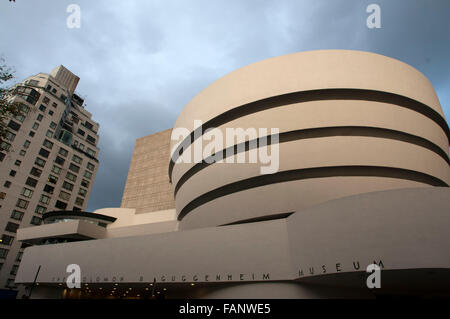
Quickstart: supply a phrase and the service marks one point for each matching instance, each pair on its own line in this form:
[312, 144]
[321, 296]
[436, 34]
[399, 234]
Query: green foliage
[8, 109]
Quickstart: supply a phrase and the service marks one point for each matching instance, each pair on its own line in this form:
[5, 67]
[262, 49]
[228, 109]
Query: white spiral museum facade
[350, 122]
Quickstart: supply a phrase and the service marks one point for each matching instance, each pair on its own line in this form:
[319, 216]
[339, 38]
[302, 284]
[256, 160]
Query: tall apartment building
[51, 160]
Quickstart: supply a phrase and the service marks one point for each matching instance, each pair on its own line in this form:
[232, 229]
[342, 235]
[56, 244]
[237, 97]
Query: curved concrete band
[397, 122]
[329, 244]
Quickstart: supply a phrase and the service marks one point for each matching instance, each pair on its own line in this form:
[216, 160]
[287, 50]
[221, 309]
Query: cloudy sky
[140, 62]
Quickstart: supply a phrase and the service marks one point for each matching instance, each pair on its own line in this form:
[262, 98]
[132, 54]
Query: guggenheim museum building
[358, 175]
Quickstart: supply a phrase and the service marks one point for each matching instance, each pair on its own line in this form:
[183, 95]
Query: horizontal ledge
[317, 133]
[260, 219]
[70, 213]
[309, 173]
[307, 96]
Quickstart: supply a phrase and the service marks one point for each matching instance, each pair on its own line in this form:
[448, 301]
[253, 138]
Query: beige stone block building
[147, 188]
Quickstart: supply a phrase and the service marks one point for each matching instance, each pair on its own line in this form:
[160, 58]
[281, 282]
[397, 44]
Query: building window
[85, 183]
[77, 159]
[65, 137]
[50, 112]
[81, 146]
[14, 270]
[35, 126]
[46, 100]
[82, 192]
[63, 152]
[6, 240]
[17, 215]
[22, 152]
[20, 117]
[24, 108]
[56, 169]
[10, 136]
[87, 174]
[42, 108]
[36, 172]
[79, 201]
[91, 140]
[17, 163]
[40, 117]
[44, 199]
[67, 186]
[5, 146]
[88, 125]
[44, 153]
[11, 227]
[48, 144]
[71, 177]
[7, 184]
[53, 125]
[90, 152]
[2, 195]
[49, 134]
[2, 155]
[75, 119]
[40, 209]
[39, 162]
[26, 192]
[36, 220]
[31, 134]
[3, 253]
[60, 205]
[26, 144]
[33, 82]
[81, 132]
[52, 179]
[13, 125]
[19, 257]
[59, 160]
[64, 195]
[54, 104]
[74, 168]
[49, 189]
[29, 95]
[31, 182]
[12, 173]
[21, 203]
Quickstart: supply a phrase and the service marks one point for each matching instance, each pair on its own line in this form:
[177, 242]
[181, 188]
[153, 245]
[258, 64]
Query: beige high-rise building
[51, 160]
[147, 188]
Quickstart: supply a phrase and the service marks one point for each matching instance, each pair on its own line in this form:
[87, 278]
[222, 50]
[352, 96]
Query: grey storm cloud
[140, 62]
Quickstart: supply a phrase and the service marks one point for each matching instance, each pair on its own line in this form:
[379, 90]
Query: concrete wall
[127, 224]
[375, 124]
[69, 229]
[244, 252]
[399, 230]
[147, 187]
